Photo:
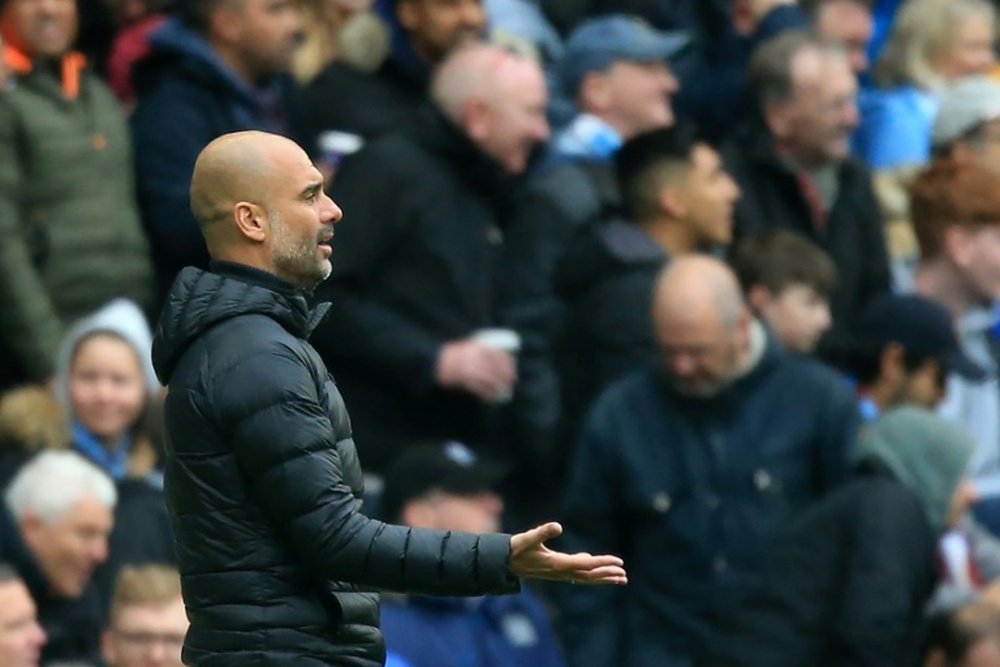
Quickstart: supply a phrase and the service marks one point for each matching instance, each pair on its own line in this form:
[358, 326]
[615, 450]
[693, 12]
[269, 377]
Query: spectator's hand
[529, 557]
[483, 371]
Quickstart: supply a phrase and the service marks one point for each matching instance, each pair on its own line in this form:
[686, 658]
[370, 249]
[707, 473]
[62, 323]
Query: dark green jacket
[69, 224]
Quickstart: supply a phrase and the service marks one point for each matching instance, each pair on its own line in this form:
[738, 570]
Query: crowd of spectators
[712, 282]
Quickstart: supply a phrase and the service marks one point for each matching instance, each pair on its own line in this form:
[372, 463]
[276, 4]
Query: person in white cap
[967, 127]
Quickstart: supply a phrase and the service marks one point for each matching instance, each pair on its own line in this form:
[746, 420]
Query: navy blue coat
[186, 98]
[687, 490]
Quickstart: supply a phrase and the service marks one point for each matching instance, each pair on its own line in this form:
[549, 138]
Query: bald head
[259, 201]
[701, 324]
[698, 287]
[497, 98]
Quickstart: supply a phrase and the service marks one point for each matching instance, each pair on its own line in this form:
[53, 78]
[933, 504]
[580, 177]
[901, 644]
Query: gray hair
[53, 482]
[770, 71]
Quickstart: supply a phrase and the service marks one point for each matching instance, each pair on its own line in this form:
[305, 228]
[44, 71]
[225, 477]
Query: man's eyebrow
[312, 188]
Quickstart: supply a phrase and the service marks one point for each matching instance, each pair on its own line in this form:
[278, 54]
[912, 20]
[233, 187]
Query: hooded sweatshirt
[123, 319]
[924, 452]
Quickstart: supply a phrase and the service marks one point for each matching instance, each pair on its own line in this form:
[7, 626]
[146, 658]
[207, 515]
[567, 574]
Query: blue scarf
[112, 461]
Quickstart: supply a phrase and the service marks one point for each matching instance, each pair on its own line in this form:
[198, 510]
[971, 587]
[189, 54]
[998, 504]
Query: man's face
[69, 549]
[702, 355]
[634, 97]
[976, 253]
[267, 34]
[473, 513]
[21, 638]
[107, 390]
[435, 27]
[847, 23]
[707, 198]
[814, 126]
[44, 28]
[512, 119]
[146, 636]
[301, 218]
[798, 315]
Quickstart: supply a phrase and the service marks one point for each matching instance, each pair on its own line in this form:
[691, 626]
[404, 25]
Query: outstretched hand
[529, 557]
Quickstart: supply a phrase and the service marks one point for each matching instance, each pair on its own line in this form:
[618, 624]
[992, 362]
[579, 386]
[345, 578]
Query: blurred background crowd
[712, 282]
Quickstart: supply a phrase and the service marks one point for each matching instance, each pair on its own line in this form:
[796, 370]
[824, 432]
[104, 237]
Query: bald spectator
[793, 165]
[216, 67]
[346, 98]
[690, 467]
[54, 530]
[72, 239]
[21, 638]
[416, 275]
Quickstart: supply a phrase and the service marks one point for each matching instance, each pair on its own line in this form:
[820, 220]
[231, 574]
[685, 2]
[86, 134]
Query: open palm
[529, 557]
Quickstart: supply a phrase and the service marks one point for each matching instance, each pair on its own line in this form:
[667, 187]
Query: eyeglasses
[143, 641]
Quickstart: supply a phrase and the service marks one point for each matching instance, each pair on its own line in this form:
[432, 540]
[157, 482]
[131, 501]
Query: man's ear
[593, 94]
[671, 202]
[31, 526]
[474, 118]
[890, 362]
[955, 243]
[759, 298]
[251, 221]
[225, 22]
[406, 14]
[776, 118]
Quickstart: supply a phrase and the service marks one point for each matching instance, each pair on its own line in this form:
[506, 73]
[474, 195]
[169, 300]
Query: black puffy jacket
[264, 484]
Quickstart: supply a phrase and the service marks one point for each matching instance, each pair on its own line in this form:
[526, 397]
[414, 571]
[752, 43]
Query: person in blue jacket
[444, 486]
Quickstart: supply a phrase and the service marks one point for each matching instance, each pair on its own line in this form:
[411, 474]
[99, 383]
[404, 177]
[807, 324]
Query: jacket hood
[927, 454]
[174, 45]
[122, 318]
[600, 251]
[199, 300]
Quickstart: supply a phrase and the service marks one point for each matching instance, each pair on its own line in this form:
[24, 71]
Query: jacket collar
[71, 64]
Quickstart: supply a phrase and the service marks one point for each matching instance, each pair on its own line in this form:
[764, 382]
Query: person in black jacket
[421, 253]
[846, 582]
[262, 478]
[214, 67]
[677, 199]
[792, 163]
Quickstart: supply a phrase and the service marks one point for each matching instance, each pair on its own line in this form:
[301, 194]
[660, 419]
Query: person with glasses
[147, 621]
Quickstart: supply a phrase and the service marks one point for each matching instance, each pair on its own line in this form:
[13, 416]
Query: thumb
[547, 531]
[530, 539]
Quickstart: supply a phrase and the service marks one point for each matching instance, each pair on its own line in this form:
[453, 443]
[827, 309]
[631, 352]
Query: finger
[610, 574]
[571, 562]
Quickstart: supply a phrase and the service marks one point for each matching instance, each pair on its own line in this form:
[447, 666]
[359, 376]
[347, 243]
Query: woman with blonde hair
[933, 43]
[339, 30]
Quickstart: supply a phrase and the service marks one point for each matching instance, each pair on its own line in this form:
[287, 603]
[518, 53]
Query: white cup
[507, 340]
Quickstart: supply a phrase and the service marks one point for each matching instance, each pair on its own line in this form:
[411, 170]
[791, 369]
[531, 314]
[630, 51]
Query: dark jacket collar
[198, 300]
[441, 137]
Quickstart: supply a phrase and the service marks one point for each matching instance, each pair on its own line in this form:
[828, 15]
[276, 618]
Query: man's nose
[332, 212]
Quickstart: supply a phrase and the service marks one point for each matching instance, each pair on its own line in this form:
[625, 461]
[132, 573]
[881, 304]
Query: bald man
[418, 259]
[691, 465]
[262, 477]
